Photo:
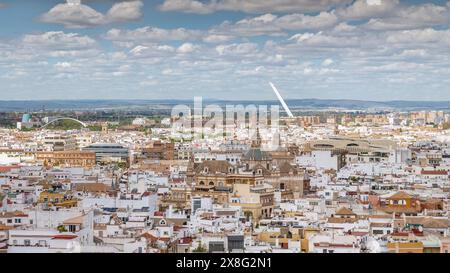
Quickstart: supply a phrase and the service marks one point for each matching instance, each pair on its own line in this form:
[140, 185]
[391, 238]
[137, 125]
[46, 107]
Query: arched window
[201, 183]
[211, 183]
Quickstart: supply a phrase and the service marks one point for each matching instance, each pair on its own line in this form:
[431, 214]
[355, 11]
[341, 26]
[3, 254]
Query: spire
[256, 143]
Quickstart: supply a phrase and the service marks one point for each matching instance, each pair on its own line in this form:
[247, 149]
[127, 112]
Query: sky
[225, 49]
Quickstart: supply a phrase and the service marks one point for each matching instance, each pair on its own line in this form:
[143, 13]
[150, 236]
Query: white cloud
[138, 49]
[125, 11]
[412, 17]
[413, 53]
[152, 34]
[152, 50]
[301, 21]
[74, 14]
[187, 48]
[367, 9]
[237, 49]
[301, 37]
[250, 6]
[327, 62]
[344, 27]
[63, 65]
[215, 38]
[269, 24]
[66, 67]
[34, 49]
[58, 40]
[255, 26]
[328, 48]
[324, 40]
[427, 36]
[275, 59]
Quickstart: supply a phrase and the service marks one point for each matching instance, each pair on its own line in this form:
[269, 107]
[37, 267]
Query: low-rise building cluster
[378, 183]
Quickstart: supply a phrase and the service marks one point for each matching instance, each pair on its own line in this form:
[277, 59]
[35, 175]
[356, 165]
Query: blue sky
[225, 49]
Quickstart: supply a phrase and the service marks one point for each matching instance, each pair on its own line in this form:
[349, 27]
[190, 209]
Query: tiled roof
[344, 211]
[400, 195]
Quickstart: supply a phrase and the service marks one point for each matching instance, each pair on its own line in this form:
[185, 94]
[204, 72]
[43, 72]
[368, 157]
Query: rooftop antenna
[286, 108]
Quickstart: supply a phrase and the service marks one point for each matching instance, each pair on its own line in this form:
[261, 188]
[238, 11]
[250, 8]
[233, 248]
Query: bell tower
[256, 143]
[104, 128]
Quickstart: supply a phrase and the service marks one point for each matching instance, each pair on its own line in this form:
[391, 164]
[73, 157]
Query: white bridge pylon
[286, 108]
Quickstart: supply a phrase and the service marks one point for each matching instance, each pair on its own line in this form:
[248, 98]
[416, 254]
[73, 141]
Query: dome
[257, 155]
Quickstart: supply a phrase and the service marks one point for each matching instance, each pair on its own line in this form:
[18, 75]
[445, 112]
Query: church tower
[256, 143]
[104, 128]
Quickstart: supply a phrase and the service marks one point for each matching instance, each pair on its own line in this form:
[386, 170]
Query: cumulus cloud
[237, 49]
[301, 21]
[187, 48]
[152, 51]
[413, 53]
[419, 16]
[361, 9]
[125, 11]
[214, 38]
[250, 6]
[59, 40]
[152, 34]
[74, 14]
[369, 44]
[426, 36]
[273, 25]
[325, 40]
[327, 62]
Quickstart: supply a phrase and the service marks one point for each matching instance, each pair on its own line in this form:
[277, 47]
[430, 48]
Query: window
[27, 242]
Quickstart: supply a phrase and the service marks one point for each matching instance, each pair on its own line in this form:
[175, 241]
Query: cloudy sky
[225, 49]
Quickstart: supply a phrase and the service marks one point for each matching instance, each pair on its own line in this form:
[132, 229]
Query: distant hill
[54, 105]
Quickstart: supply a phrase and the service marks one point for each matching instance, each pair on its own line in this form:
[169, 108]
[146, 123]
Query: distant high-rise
[26, 118]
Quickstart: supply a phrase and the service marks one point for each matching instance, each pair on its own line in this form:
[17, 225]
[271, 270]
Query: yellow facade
[405, 247]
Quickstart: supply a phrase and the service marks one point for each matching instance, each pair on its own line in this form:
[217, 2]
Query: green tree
[200, 249]
[61, 228]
